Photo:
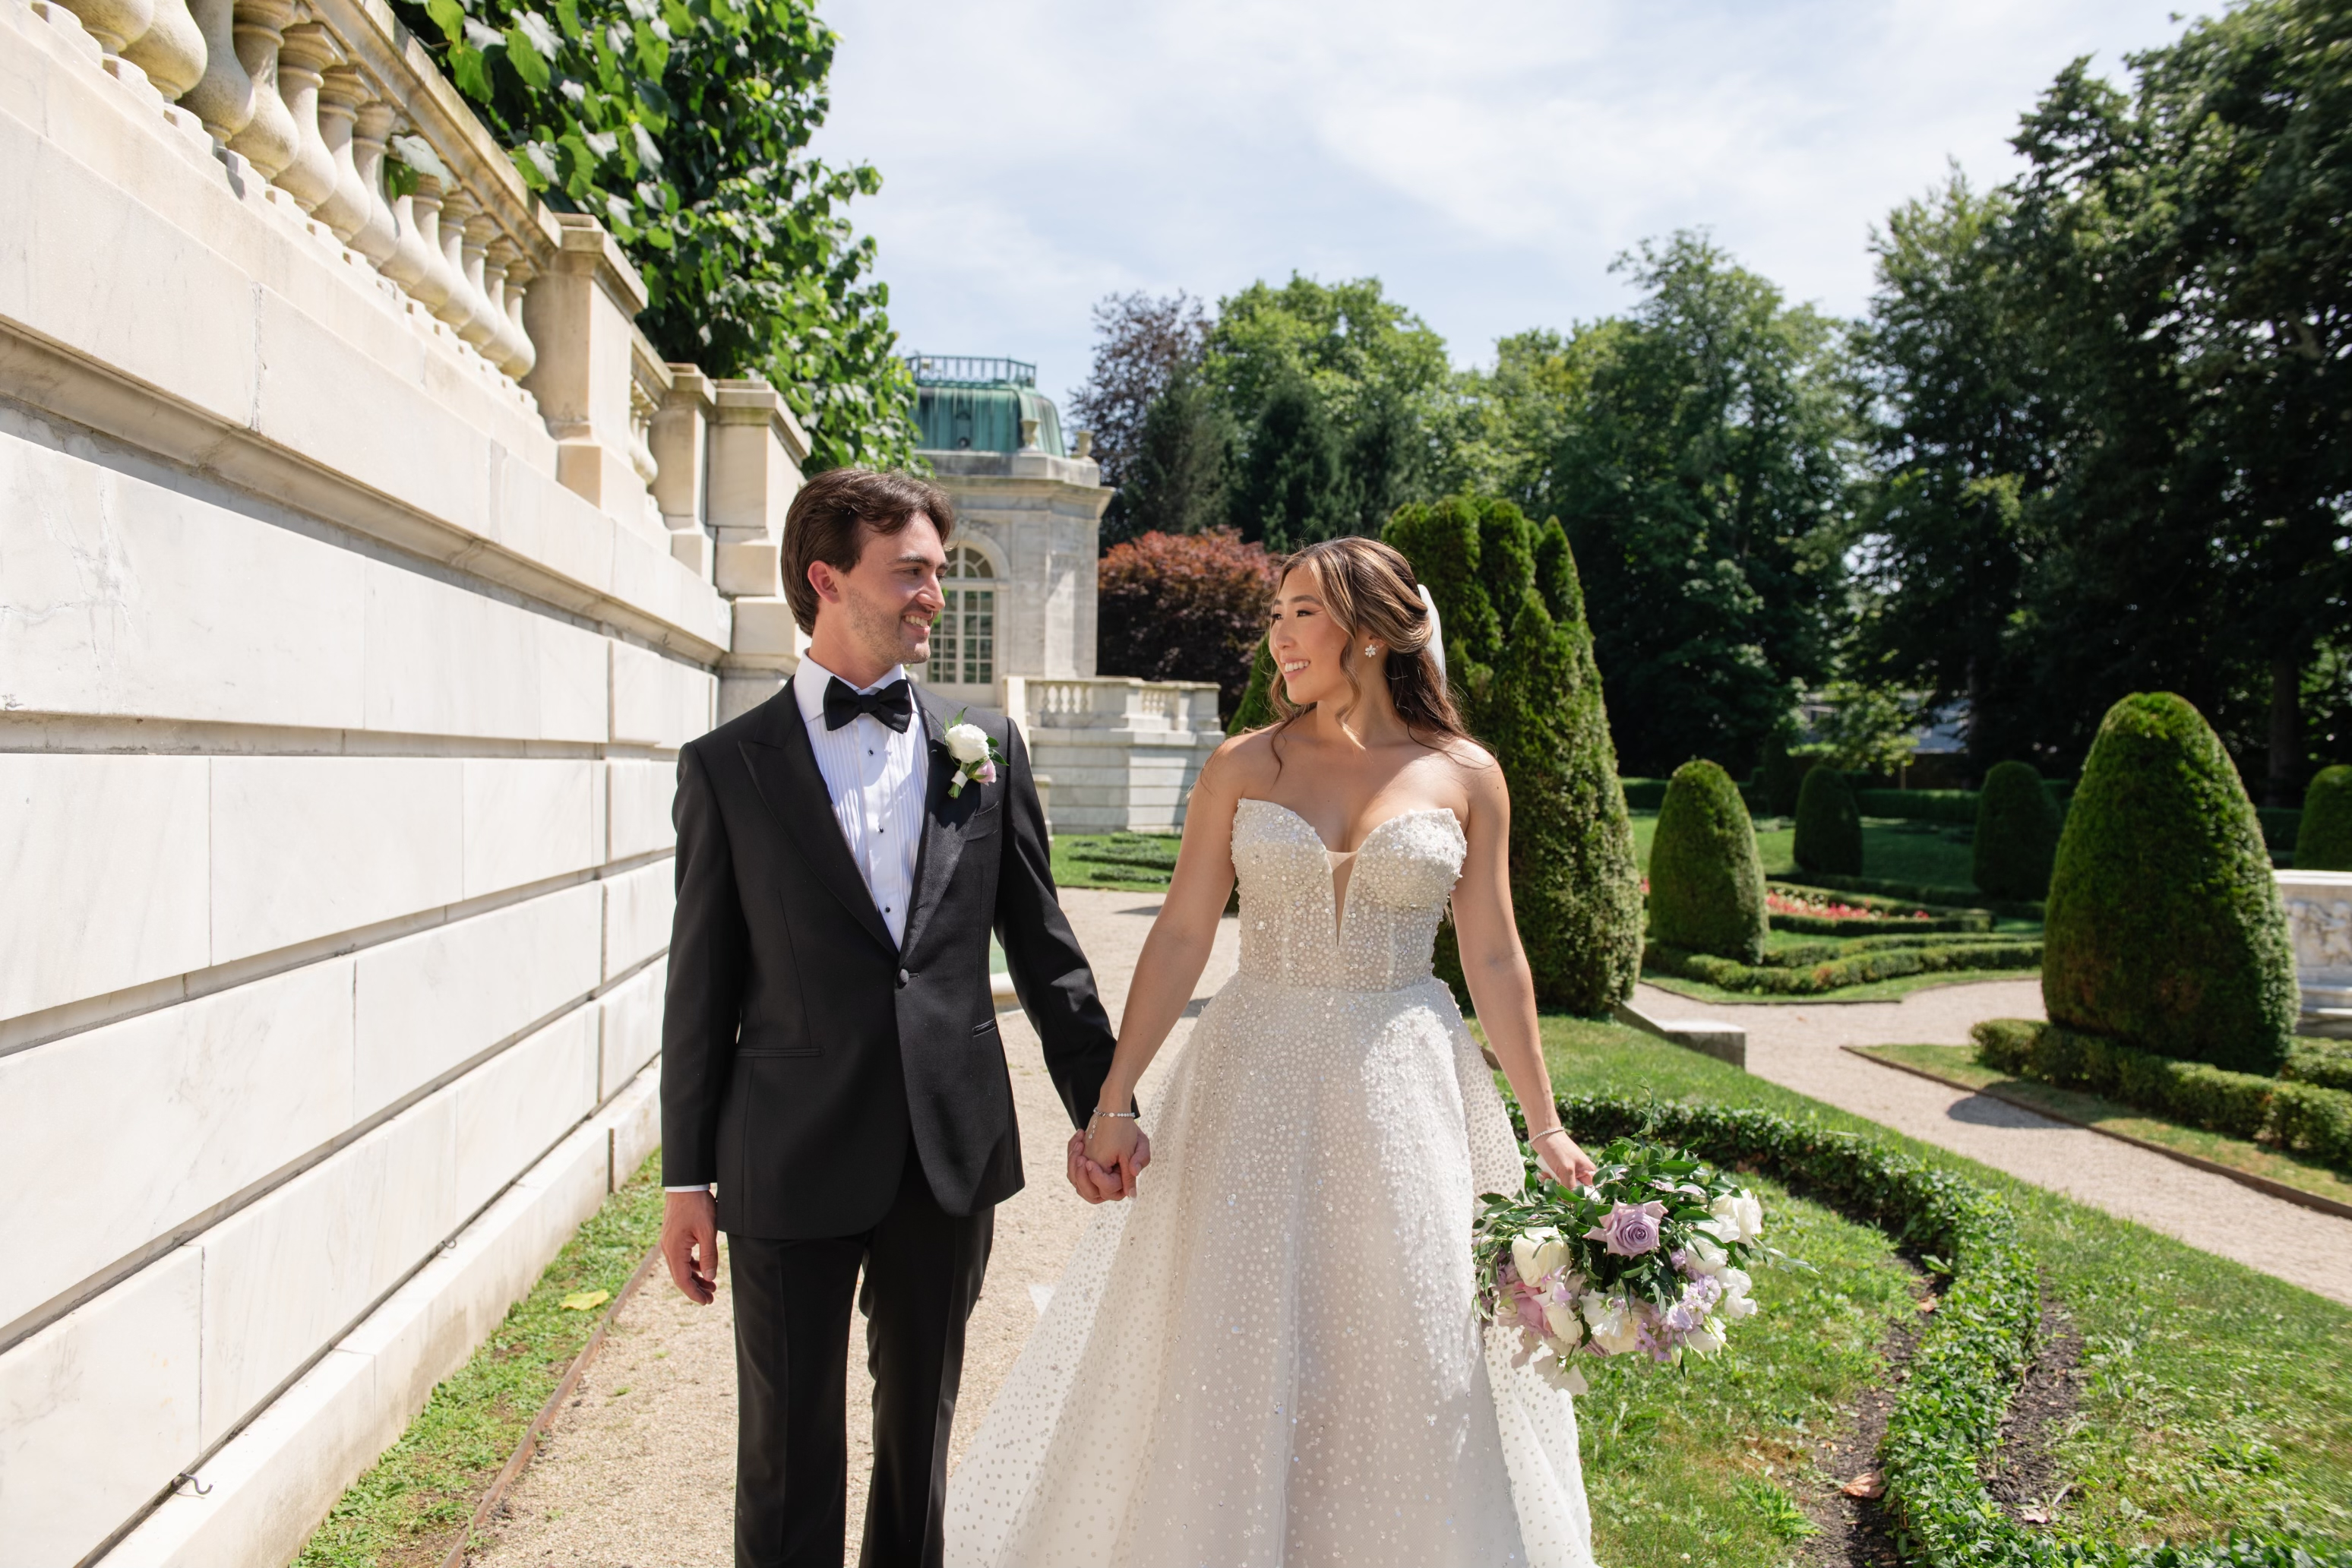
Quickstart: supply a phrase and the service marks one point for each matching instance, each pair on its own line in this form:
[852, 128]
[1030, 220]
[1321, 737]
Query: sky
[1485, 160]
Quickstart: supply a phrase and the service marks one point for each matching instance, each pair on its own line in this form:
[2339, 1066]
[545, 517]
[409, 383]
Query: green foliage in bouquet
[2323, 841]
[683, 126]
[2017, 833]
[1706, 882]
[1520, 666]
[2165, 927]
[1829, 823]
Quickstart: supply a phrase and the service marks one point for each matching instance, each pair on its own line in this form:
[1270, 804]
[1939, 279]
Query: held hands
[1562, 1160]
[1106, 1157]
[690, 1244]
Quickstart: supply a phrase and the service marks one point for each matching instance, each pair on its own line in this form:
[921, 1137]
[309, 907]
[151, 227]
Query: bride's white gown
[1271, 1355]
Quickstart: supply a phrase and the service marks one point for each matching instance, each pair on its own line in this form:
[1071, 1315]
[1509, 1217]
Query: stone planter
[2319, 916]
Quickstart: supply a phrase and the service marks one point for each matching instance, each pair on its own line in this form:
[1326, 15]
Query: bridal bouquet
[1645, 1261]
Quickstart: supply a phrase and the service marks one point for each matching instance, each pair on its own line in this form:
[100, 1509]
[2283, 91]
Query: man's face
[891, 596]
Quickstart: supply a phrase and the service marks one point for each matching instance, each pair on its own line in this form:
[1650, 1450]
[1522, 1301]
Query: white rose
[1615, 1331]
[967, 743]
[1703, 1343]
[1737, 1218]
[1702, 1257]
[1536, 1253]
[1736, 1284]
[1567, 1329]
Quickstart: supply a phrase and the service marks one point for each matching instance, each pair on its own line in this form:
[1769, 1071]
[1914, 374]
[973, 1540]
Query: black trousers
[923, 1269]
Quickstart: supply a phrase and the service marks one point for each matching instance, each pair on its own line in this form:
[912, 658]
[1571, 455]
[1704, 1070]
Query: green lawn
[1958, 1064]
[1893, 848]
[1900, 987]
[413, 1504]
[2213, 1396]
[1132, 862]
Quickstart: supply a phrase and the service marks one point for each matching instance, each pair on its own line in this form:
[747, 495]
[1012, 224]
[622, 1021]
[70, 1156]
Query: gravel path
[640, 1471]
[1797, 1046]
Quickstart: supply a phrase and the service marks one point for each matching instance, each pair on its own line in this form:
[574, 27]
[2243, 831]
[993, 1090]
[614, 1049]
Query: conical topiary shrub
[2017, 833]
[1257, 708]
[1528, 689]
[1829, 823]
[2165, 928]
[1707, 884]
[2324, 842]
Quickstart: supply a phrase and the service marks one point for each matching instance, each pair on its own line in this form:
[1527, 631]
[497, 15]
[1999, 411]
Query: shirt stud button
[904, 977]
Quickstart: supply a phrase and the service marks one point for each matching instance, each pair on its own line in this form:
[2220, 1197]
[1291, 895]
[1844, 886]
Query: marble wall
[337, 737]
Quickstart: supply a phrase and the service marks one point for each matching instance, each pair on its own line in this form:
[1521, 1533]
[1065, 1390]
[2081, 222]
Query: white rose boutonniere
[975, 754]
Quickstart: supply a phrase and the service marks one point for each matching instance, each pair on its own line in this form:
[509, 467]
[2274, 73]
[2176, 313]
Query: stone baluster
[379, 237]
[267, 139]
[482, 330]
[457, 209]
[171, 51]
[523, 353]
[113, 23]
[310, 176]
[223, 96]
[435, 282]
[349, 210]
[503, 350]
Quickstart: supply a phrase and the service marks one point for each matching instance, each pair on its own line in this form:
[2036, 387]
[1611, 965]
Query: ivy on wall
[683, 126]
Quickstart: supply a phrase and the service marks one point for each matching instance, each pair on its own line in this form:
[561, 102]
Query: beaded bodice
[1296, 927]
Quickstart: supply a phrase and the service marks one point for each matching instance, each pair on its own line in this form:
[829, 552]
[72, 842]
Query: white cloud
[1486, 162]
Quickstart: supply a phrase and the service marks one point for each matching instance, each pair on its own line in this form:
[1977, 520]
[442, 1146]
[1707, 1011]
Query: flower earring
[1372, 650]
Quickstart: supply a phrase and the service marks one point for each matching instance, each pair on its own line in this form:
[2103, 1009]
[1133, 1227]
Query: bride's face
[1310, 649]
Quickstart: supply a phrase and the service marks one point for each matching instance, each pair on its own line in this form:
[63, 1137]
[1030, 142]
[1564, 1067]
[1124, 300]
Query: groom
[830, 1055]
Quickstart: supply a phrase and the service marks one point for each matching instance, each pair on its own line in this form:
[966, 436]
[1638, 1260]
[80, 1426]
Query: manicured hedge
[2303, 1117]
[1947, 1419]
[2017, 833]
[2165, 925]
[1778, 777]
[1645, 795]
[1829, 827]
[1928, 893]
[1886, 925]
[2324, 835]
[1820, 975]
[1707, 885]
[1956, 806]
[2327, 1063]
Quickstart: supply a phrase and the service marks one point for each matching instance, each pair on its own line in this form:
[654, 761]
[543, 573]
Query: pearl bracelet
[1546, 1132]
[1124, 1115]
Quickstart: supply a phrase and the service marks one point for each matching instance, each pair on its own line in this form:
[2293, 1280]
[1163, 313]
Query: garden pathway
[640, 1471]
[1797, 1046]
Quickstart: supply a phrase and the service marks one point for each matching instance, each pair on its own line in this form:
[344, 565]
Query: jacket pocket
[984, 822]
[763, 1052]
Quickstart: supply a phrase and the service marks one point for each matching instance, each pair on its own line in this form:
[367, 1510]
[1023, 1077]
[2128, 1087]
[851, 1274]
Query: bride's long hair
[1370, 590]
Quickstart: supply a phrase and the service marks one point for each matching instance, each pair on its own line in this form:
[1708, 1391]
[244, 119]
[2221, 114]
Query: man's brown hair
[837, 512]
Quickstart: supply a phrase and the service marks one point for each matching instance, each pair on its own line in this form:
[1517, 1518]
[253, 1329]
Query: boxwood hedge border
[1947, 1416]
[1805, 972]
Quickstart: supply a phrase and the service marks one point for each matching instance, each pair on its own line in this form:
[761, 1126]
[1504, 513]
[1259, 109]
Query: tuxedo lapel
[783, 766]
[934, 861]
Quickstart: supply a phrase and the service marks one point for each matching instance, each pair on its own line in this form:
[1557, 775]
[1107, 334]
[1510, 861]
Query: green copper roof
[964, 404]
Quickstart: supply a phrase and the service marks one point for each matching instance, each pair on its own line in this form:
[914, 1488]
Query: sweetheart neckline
[1447, 812]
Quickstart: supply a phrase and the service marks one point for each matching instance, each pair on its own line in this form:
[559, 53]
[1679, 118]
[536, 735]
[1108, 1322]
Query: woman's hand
[1562, 1160]
[1106, 1172]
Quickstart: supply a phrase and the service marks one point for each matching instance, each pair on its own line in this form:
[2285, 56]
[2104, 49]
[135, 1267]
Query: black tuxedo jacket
[800, 1046]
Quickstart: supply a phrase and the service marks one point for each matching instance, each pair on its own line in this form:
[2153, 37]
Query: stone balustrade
[2319, 918]
[1123, 753]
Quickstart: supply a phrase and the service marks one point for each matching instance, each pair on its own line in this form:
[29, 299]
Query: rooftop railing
[970, 369]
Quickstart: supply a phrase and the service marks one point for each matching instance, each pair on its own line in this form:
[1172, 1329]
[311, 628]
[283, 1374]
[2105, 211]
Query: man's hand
[1098, 1182]
[690, 1244]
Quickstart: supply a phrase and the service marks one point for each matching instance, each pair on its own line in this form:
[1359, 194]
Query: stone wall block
[306, 846]
[267, 141]
[427, 1002]
[161, 1117]
[171, 51]
[290, 1272]
[640, 796]
[527, 819]
[580, 317]
[514, 1107]
[639, 906]
[98, 1412]
[656, 701]
[107, 856]
[223, 98]
[633, 1025]
[310, 175]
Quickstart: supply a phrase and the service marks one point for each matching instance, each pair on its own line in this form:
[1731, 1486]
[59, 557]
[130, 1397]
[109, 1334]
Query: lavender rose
[1630, 1229]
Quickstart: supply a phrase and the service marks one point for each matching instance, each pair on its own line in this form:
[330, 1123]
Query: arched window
[965, 645]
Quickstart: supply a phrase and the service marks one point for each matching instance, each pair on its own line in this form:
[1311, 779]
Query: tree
[1702, 475]
[2017, 833]
[1535, 697]
[1291, 489]
[2165, 927]
[1142, 344]
[683, 128]
[2324, 838]
[1829, 823]
[1178, 480]
[1183, 607]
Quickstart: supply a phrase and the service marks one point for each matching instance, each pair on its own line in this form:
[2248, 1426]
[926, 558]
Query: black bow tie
[893, 704]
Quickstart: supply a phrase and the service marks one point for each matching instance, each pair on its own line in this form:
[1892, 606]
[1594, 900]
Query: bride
[1271, 1356]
